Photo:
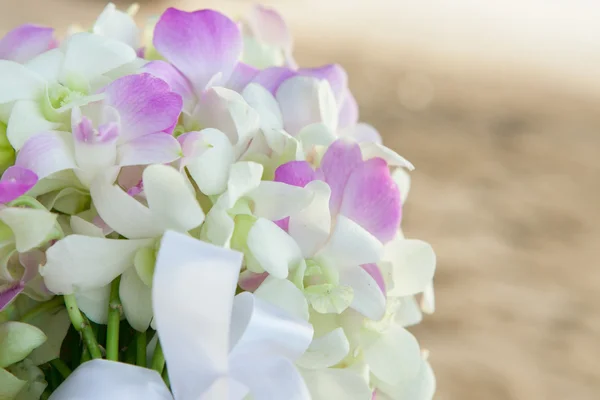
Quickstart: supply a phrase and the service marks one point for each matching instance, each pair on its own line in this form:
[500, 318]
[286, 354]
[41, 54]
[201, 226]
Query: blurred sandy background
[497, 104]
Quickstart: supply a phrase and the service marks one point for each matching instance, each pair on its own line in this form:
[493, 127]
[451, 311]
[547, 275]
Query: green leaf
[17, 340]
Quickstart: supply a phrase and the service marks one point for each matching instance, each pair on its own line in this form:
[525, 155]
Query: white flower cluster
[186, 213]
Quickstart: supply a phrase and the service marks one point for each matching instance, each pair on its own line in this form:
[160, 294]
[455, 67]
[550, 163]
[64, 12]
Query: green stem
[82, 325]
[114, 320]
[140, 343]
[158, 359]
[41, 308]
[61, 367]
[85, 355]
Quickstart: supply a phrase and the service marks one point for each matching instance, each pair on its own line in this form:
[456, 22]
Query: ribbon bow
[216, 346]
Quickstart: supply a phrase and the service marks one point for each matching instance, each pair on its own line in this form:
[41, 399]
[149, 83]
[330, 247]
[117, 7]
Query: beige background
[497, 104]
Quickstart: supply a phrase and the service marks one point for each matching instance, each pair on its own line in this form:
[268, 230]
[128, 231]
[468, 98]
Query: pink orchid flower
[131, 126]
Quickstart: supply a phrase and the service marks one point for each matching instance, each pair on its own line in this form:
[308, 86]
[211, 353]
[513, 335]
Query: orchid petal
[81, 262]
[281, 253]
[305, 101]
[47, 153]
[48, 65]
[25, 42]
[268, 26]
[30, 227]
[103, 379]
[368, 298]
[244, 177]
[373, 150]
[145, 103]
[317, 134]
[272, 78]
[325, 351]
[15, 182]
[348, 110]
[276, 200]
[93, 303]
[414, 265]
[332, 73]
[340, 159]
[200, 44]
[122, 212]
[19, 83]
[428, 299]
[228, 112]
[190, 273]
[311, 227]
[421, 387]
[210, 169]
[117, 25]
[296, 173]
[241, 76]
[265, 104]
[408, 312]
[362, 133]
[87, 56]
[8, 295]
[393, 356]
[26, 121]
[250, 281]
[136, 298]
[372, 199]
[155, 148]
[334, 383]
[17, 340]
[170, 200]
[176, 81]
[285, 295]
[402, 179]
[351, 245]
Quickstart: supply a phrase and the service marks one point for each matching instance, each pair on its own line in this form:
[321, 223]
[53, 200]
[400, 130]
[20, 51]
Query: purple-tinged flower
[26, 42]
[363, 191]
[131, 126]
[15, 182]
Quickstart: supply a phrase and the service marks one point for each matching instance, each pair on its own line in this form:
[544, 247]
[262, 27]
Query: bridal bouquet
[185, 213]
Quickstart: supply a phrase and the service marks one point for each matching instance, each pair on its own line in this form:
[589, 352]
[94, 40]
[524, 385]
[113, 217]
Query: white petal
[265, 104]
[47, 64]
[304, 101]
[136, 298]
[219, 226]
[368, 298]
[414, 265]
[394, 356]
[325, 351]
[310, 227]
[274, 249]
[193, 287]
[277, 200]
[122, 212]
[421, 387]
[334, 383]
[243, 177]
[88, 56]
[27, 120]
[171, 202]
[227, 111]
[428, 299]
[284, 294]
[79, 226]
[407, 312]
[117, 25]
[402, 179]
[30, 227]
[103, 379]
[351, 245]
[317, 134]
[94, 303]
[19, 83]
[81, 262]
[371, 150]
[210, 170]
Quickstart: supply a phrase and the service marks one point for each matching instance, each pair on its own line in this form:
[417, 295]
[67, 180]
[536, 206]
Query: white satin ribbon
[216, 346]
